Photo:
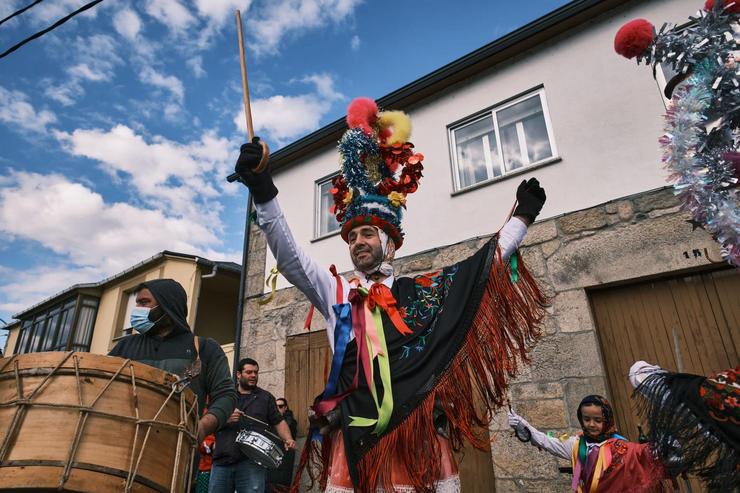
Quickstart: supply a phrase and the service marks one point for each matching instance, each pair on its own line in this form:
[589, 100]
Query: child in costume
[694, 422]
[603, 461]
[400, 397]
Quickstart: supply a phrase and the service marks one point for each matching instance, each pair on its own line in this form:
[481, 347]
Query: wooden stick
[245, 86]
[245, 89]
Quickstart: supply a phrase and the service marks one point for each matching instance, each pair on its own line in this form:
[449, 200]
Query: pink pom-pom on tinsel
[633, 38]
[362, 113]
[733, 9]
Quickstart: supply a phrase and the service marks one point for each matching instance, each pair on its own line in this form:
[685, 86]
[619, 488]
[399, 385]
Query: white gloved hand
[515, 420]
[640, 371]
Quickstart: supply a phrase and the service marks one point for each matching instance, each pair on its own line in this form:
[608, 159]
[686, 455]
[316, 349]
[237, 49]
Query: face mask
[140, 319]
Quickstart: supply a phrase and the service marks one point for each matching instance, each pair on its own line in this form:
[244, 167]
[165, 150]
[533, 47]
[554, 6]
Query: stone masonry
[625, 239]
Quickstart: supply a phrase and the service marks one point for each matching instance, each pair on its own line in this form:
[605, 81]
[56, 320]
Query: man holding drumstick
[232, 470]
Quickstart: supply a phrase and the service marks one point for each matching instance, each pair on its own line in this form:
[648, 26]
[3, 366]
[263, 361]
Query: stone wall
[627, 239]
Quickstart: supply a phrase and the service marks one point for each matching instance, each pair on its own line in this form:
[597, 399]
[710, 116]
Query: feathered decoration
[379, 168]
[633, 38]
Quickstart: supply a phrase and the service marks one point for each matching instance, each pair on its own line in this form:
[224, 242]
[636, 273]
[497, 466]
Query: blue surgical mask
[140, 319]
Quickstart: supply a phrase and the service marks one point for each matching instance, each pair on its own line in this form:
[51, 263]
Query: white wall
[606, 115]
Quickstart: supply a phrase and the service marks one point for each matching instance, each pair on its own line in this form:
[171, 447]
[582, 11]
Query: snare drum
[261, 446]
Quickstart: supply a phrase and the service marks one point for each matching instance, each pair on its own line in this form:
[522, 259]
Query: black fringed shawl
[471, 325]
[695, 425]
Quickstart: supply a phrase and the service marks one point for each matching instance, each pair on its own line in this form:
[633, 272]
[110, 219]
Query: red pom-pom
[633, 38]
[733, 9]
[362, 113]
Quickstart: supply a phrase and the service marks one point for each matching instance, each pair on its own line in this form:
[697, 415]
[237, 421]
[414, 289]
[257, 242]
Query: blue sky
[118, 128]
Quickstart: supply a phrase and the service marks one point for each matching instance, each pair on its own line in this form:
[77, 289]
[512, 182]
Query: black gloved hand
[530, 197]
[260, 184]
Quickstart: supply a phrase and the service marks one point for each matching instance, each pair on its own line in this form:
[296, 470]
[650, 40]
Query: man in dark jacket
[232, 470]
[165, 341]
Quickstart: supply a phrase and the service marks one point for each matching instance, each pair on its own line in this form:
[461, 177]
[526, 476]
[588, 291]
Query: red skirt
[339, 480]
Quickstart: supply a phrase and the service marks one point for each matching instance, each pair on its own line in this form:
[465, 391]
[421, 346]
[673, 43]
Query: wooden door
[307, 364]
[689, 323]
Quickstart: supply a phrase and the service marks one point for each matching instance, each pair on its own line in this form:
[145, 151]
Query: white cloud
[355, 43]
[286, 17]
[283, 118]
[171, 13]
[53, 11]
[17, 112]
[83, 71]
[196, 65]
[168, 82]
[95, 238]
[127, 24]
[178, 178]
[221, 11]
[95, 60]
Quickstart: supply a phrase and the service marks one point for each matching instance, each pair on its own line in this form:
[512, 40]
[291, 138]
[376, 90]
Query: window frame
[491, 113]
[39, 322]
[317, 236]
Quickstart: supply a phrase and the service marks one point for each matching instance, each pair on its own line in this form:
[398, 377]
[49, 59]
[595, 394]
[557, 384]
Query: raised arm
[555, 446]
[297, 267]
[530, 197]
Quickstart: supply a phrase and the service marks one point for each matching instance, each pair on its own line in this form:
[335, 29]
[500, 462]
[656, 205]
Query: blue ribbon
[342, 331]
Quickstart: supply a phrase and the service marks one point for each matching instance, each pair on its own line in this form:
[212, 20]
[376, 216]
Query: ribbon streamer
[270, 282]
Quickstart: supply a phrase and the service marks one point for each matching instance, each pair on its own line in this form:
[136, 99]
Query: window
[50, 330]
[325, 222]
[124, 327]
[505, 139]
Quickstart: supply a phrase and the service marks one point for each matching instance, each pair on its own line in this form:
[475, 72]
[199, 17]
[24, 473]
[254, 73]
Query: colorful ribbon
[270, 281]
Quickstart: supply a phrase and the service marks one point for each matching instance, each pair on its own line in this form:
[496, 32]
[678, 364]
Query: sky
[118, 128]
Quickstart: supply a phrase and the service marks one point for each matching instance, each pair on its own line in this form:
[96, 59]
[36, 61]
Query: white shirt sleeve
[555, 446]
[510, 236]
[299, 269]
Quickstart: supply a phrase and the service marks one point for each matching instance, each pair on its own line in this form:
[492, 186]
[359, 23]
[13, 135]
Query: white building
[628, 277]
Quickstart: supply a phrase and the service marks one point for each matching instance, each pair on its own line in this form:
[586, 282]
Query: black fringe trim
[686, 439]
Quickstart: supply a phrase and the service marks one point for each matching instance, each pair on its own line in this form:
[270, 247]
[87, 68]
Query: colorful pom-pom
[734, 6]
[399, 122]
[362, 113]
[633, 38]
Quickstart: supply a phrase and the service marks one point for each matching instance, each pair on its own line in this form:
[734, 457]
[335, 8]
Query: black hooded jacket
[176, 351]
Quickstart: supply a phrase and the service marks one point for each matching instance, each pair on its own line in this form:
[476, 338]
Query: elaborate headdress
[379, 168]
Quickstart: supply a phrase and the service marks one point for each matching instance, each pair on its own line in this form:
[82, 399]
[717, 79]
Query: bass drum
[81, 422]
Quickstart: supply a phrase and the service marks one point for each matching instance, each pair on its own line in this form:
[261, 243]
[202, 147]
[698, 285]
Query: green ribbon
[514, 263]
[385, 408]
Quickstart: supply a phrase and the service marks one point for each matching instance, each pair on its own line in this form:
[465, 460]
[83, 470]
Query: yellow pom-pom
[400, 124]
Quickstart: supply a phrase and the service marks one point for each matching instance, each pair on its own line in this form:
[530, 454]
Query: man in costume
[232, 470]
[602, 460]
[400, 393]
[694, 422]
[165, 341]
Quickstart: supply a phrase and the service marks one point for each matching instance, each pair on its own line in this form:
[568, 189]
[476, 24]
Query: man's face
[249, 376]
[365, 248]
[282, 407]
[145, 298]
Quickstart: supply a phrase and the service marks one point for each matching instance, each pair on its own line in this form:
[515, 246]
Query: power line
[19, 12]
[50, 28]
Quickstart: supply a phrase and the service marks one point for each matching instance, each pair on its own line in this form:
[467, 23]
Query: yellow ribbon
[270, 282]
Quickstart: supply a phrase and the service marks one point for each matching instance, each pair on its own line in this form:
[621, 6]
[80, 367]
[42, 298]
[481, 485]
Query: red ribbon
[380, 295]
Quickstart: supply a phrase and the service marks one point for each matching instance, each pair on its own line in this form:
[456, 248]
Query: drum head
[261, 446]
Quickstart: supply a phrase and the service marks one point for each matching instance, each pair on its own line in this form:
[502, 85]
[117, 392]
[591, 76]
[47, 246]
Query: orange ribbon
[380, 295]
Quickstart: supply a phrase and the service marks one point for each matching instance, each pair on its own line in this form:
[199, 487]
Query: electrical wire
[50, 28]
[19, 12]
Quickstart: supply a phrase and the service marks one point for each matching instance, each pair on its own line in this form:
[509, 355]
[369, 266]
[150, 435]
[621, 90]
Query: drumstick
[245, 90]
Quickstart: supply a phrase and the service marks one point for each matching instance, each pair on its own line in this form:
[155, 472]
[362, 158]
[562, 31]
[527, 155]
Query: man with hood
[400, 397]
[165, 341]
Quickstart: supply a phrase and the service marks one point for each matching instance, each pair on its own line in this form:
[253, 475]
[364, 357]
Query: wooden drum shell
[84, 422]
